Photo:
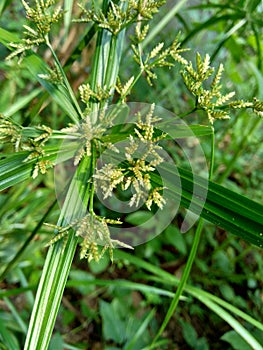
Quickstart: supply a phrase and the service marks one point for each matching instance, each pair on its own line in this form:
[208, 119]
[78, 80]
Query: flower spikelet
[142, 156]
[95, 231]
[108, 177]
[211, 100]
[42, 16]
[119, 16]
[9, 131]
[155, 197]
[258, 107]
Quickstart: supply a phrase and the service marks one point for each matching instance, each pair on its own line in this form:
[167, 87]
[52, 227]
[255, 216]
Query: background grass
[226, 267]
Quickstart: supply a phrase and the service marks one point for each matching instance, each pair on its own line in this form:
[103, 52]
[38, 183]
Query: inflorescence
[142, 153]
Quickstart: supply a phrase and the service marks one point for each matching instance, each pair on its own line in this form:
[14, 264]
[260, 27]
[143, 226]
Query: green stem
[187, 113]
[258, 44]
[93, 167]
[183, 281]
[190, 259]
[57, 265]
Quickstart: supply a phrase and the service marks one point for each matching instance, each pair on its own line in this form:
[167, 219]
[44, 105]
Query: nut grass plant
[36, 157]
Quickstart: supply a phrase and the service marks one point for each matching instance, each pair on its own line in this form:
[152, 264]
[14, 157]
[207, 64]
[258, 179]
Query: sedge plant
[97, 112]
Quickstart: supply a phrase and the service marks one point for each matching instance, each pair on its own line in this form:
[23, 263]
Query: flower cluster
[210, 100]
[158, 56]
[94, 232]
[10, 132]
[53, 75]
[23, 140]
[256, 105]
[119, 16]
[141, 159]
[90, 131]
[36, 148]
[87, 94]
[41, 16]
[86, 133]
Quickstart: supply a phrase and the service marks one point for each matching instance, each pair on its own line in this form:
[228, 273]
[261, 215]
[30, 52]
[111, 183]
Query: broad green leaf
[112, 325]
[189, 333]
[56, 342]
[140, 331]
[235, 340]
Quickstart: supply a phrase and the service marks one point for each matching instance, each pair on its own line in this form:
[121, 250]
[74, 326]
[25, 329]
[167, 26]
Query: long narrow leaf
[20, 103]
[167, 278]
[225, 208]
[237, 326]
[59, 94]
[57, 266]
[7, 37]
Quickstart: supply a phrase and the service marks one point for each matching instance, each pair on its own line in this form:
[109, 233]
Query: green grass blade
[140, 331]
[183, 131]
[20, 103]
[246, 335]
[7, 37]
[14, 170]
[122, 284]
[59, 94]
[83, 42]
[8, 338]
[211, 21]
[16, 315]
[36, 65]
[234, 310]
[165, 277]
[20, 252]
